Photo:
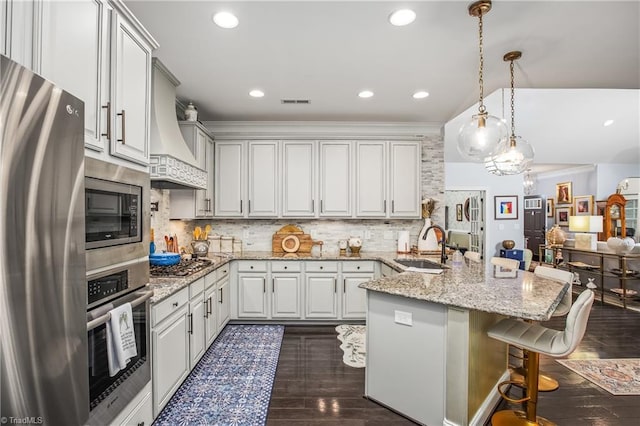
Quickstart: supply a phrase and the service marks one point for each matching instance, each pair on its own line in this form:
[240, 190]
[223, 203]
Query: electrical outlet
[404, 318]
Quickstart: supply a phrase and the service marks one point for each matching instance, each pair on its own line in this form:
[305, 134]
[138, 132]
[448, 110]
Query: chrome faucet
[443, 256]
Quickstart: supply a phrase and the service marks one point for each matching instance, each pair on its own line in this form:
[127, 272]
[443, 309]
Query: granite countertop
[474, 287]
[465, 286]
[164, 287]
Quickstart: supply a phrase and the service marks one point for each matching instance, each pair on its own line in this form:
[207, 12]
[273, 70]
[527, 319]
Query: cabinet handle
[385, 206]
[393, 206]
[190, 323]
[264, 285]
[141, 424]
[108, 108]
[175, 304]
[240, 206]
[313, 206]
[208, 200]
[249, 206]
[206, 308]
[335, 285]
[220, 300]
[344, 285]
[209, 310]
[123, 140]
[321, 206]
[273, 285]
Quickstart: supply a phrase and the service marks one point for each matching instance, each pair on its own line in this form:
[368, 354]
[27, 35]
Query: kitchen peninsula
[428, 355]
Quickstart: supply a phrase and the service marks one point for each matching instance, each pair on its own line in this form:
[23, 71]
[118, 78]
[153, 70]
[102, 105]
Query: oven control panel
[103, 287]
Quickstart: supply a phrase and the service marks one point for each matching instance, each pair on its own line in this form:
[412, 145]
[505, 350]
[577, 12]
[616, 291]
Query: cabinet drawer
[252, 266]
[285, 267]
[168, 306]
[321, 266]
[358, 266]
[196, 287]
[222, 271]
[210, 279]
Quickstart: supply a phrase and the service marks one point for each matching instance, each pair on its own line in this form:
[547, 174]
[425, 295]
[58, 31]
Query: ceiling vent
[295, 101]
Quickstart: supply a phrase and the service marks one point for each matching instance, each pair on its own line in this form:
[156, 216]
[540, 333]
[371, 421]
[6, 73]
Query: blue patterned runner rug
[231, 385]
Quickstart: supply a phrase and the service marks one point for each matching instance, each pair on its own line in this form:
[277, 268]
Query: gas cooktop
[185, 268]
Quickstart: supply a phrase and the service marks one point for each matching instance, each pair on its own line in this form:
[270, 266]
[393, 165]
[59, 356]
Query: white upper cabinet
[335, 178]
[229, 179]
[298, 168]
[404, 179]
[370, 177]
[75, 55]
[263, 179]
[131, 93]
[100, 53]
[195, 203]
[17, 31]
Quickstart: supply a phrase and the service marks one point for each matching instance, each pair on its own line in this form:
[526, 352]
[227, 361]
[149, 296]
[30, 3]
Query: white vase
[431, 242]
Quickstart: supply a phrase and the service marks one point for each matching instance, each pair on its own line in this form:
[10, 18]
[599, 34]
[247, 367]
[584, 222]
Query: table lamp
[586, 228]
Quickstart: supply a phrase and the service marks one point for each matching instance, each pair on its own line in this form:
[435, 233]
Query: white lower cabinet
[285, 300]
[252, 295]
[223, 310]
[321, 295]
[197, 320]
[354, 298]
[170, 346]
[211, 308]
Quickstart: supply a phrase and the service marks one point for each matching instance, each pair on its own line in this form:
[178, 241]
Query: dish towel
[121, 338]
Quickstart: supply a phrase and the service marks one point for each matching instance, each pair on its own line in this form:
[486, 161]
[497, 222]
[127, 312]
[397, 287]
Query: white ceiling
[329, 51]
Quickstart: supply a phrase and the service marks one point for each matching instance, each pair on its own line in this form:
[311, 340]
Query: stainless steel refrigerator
[43, 299]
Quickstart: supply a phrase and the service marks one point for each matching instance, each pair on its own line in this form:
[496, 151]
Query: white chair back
[505, 263]
[576, 324]
[559, 275]
[473, 256]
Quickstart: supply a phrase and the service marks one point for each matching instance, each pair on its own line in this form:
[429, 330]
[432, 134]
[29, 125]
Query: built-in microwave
[112, 213]
[116, 214]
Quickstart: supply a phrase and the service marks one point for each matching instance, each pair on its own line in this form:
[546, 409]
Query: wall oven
[109, 395]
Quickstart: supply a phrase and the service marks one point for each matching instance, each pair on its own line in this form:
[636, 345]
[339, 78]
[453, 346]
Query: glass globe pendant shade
[512, 157]
[479, 137]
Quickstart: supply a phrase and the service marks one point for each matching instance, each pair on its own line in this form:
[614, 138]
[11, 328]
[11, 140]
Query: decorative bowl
[620, 245]
[508, 244]
[164, 259]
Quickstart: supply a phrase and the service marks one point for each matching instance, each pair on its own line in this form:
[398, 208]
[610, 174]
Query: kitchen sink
[419, 263]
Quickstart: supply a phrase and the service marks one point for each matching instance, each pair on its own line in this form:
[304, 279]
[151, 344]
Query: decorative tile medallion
[231, 385]
[616, 376]
[353, 344]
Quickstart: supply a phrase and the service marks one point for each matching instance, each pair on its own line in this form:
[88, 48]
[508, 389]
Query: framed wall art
[459, 212]
[564, 194]
[562, 215]
[505, 207]
[550, 209]
[583, 205]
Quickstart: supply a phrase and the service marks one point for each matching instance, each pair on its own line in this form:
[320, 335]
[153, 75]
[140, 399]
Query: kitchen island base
[430, 362]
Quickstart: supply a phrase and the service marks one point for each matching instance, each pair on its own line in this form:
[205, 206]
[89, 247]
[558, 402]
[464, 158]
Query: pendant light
[513, 155]
[529, 182]
[479, 137]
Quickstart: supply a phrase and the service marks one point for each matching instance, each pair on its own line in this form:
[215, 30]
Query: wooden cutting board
[297, 236]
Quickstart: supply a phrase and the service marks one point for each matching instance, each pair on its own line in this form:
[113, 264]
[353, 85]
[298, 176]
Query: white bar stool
[539, 340]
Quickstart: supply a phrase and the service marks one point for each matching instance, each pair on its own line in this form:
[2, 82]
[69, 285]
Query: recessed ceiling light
[225, 20]
[255, 93]
[607, 123]
[365, 94]
[420, 95]
[402, 17]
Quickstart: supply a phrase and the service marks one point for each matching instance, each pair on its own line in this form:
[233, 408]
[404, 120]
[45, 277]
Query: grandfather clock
[614, 217]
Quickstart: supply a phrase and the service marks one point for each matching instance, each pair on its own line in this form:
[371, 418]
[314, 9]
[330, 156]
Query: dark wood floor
[314, 387]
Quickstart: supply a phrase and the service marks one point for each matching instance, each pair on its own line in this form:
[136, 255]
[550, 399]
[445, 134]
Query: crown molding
[567, 171]
[322, 129]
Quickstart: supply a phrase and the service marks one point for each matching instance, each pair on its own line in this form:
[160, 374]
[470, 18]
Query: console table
[594, 263]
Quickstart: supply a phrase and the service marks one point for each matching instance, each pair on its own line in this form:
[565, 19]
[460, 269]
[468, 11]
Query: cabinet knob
[285, 267]
[358, 267]
[175, 304]
[251, 267]
[322, 267]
